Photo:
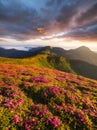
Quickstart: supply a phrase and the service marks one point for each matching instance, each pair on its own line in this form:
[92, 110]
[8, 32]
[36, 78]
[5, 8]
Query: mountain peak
[83, 48]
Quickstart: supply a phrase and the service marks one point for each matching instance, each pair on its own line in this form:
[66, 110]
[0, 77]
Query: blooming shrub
[34, 98]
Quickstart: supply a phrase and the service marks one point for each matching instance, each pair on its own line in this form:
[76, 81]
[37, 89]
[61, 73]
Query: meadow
[35, 98]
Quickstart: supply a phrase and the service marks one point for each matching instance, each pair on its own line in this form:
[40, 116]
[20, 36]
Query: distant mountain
[82, 53]
[54, 50]
[81, 60]
[14, 53]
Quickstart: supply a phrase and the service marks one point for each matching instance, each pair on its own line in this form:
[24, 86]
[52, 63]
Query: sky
[62, 23]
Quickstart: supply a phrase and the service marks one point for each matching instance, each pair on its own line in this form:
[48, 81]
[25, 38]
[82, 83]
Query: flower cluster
[33, 98]
[53, 121]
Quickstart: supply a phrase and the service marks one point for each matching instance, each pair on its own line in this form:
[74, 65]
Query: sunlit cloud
[54, 23]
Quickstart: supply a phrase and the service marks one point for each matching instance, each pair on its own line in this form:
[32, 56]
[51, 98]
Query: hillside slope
[42, 60]
[33, 98]
[82, 53]
[84, 68]
[82, 60]
[54, 57]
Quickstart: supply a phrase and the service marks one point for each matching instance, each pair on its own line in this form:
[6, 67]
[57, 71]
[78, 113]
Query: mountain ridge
[57, 58]
[81, 53]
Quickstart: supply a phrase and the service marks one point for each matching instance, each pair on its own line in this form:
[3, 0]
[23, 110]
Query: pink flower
[53, 90]
[16, 119]
[54, 121]
[59, 107]
[45, 111]
[27, 127]
[83, 119]
[26, 84]
[81, 115]
[37, 113]
[0, 99]
[49, 120]
[14, 94]
[32, 120]
[40, 80]
[8, 103]
[19, 102]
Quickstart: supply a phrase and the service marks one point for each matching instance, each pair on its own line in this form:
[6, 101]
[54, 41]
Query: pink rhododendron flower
[54, 121]
[16, 119]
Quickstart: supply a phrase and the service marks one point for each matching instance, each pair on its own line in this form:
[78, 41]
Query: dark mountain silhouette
[14, 53]
[82, 53]
[56, 50]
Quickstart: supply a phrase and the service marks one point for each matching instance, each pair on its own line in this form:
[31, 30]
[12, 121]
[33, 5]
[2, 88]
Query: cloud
[89, 15]
[18, 19]
[24, 20]
[54, 2]
[3, 41]
[66, 15]
[88, 33]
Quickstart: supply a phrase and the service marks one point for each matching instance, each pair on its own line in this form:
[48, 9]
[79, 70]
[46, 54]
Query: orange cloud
[40, 29]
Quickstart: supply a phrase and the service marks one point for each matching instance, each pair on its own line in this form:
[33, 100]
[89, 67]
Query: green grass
[41, 60]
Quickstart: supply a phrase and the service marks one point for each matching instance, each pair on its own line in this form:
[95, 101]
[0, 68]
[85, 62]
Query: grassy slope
[33, 98]
[42, 60]
[50, 60]
[47, 58]
[79, 66]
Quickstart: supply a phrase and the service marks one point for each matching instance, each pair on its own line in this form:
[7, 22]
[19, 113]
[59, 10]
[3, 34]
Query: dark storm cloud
[87, 22]
[88, 15]
[23, 19]
[66, 15]
[19, 20]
